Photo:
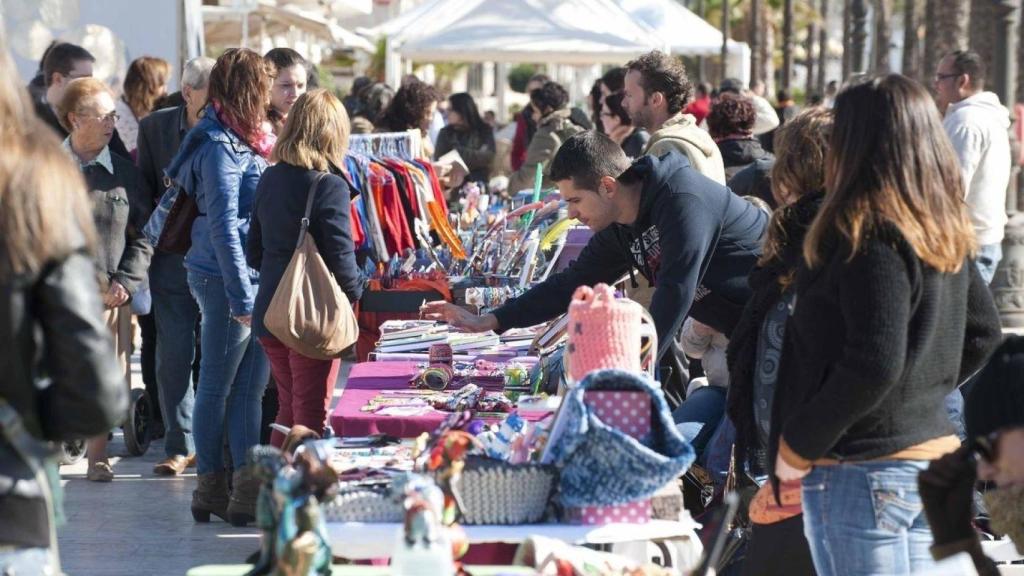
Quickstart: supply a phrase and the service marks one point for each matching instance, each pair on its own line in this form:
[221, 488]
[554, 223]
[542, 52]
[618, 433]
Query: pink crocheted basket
[604, 332]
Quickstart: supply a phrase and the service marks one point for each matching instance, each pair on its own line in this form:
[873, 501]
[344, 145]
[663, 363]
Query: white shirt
[127, 126]
[103, 159]
[978, 128]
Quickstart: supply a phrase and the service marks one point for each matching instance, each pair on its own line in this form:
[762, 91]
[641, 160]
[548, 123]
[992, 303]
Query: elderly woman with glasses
[119, 211]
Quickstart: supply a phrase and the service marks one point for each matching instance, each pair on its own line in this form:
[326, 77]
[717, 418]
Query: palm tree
[847, 54]
[787, 44]
[911, 40]
[883, 35]
[948, 24]
[755, 37]
[811, 61]
[984, 29]
[823, 47]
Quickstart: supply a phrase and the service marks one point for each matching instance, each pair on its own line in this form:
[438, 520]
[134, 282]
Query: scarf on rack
[262, 141]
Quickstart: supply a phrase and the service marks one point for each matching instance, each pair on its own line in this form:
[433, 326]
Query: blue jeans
[866, 518]
[175, 314]
[988, 259]
[27, 562]
[233, 373]
[698, 416]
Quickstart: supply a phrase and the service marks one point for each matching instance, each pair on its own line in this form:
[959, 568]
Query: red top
[700, 108]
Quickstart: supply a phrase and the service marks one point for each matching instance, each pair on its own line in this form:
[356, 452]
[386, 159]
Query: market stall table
[358, 540]
[350, 570]
[366, 381]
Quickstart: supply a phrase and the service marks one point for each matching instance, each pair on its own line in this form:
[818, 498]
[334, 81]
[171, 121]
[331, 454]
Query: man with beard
[995, 421]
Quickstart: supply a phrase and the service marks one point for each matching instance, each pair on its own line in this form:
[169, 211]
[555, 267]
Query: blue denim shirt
[221, 172]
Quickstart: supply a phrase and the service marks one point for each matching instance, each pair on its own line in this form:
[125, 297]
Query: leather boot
[210, 497]
[244, 492]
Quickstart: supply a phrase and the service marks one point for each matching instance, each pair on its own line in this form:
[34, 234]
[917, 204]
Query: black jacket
[120, 212]
[52, 328]
[160, 136]
[634, 144]
[738, 153]
[47, 115]
[765, 293]
[278, 209]
[694, 240]
[755, 180]
[874, 345]
[476, 150]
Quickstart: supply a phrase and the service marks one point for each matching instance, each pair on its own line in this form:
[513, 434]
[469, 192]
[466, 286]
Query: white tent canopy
[564, 31]
[688, 34]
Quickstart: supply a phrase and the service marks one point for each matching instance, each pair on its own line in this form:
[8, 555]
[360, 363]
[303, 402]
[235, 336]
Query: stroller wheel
[136, 427]
[71, 452]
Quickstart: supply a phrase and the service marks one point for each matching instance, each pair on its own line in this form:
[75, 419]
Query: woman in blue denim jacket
[220, 163]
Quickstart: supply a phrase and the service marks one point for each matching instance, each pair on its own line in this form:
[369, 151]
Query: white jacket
[978, 126]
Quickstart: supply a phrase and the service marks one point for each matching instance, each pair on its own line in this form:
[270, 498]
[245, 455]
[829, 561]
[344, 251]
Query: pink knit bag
[604, 332]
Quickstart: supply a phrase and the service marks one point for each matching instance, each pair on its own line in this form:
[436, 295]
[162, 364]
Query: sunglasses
[986, 447]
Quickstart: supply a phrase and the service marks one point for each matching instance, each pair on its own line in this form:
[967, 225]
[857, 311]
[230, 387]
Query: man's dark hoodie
[694, 241]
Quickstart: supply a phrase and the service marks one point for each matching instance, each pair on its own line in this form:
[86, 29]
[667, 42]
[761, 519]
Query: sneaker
[100, 472]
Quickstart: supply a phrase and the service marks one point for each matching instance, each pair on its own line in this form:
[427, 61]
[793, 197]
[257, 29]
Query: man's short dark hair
[586, 158]
[731, 85]
[551, 96]
[704, 89]
[539, 77]
[62, 58]
[660, 72]
[970, 63]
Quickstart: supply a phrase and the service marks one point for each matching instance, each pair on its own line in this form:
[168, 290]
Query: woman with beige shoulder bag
[301, 242]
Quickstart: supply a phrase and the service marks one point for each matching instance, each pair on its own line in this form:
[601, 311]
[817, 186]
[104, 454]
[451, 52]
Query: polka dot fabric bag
[603, 465]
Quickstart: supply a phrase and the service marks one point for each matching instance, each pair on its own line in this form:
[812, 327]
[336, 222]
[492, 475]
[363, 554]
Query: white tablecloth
[358, 541]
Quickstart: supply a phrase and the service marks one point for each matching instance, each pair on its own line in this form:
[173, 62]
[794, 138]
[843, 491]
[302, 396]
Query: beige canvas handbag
[309, 313]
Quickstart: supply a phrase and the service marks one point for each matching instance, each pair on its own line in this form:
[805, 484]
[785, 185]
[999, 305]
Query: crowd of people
[830, 275]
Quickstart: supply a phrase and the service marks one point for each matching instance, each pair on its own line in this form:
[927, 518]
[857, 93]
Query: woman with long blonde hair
[889, 316]
[309, 156]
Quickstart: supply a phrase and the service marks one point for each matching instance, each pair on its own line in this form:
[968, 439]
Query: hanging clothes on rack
[395, 189]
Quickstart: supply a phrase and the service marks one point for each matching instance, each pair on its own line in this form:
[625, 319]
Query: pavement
[141, 524]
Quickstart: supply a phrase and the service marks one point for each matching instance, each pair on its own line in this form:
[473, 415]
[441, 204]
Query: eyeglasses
[112, 117]
[986, 447]
[941, 77]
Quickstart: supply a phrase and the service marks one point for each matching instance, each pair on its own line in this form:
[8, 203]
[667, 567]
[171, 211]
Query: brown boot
[245, 489]
[210, 497]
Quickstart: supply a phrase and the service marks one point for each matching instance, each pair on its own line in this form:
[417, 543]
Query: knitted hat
[604, 332]
[996, 397]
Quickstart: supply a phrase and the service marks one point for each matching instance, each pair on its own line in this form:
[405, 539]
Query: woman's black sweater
[875, 343]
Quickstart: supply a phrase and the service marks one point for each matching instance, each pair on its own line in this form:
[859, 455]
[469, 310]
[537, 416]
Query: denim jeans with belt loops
[866, 518]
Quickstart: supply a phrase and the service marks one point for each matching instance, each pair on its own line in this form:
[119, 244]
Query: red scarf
[262, 141]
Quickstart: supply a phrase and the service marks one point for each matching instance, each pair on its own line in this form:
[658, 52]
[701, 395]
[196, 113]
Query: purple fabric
[365, 382]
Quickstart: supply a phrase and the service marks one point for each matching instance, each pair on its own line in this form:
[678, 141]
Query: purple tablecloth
[365, 382]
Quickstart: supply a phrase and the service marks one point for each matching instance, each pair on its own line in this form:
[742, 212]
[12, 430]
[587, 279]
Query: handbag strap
[304, 227]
